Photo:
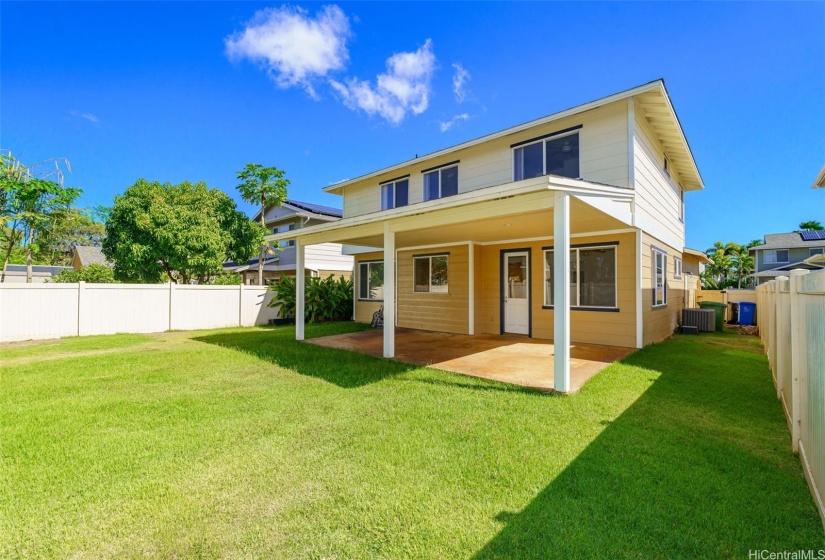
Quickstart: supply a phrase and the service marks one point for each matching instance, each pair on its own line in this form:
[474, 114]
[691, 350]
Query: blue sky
[179, 91]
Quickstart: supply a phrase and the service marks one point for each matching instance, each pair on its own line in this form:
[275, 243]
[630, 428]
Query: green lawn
[243, 443]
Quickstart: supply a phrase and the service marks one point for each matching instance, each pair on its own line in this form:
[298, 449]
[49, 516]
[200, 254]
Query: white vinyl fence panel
[793, 332]
[40, 311]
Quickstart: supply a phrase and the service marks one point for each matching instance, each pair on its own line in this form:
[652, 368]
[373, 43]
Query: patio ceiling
[524, 225]
[514, 211]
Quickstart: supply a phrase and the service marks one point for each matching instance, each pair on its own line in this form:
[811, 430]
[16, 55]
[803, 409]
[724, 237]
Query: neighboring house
[16, 273]
[84, 255]
[321, 260]
[783, 252]
[569, 227]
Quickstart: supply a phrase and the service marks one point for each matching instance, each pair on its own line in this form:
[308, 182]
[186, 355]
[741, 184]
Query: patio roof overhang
[483, 215]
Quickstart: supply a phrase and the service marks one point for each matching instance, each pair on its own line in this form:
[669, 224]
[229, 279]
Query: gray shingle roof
[786, 241]
[90, 255]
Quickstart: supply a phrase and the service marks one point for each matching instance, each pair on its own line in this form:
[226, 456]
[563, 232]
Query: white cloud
[447, 125]
[460, 77]
[404, 87]
[294, 47]
[88, 116]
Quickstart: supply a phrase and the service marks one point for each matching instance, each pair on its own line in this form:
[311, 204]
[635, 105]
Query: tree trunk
[29, 264]
[263, 247]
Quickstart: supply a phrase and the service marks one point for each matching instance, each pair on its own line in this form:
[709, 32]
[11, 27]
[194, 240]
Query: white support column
[799, 352]
[471, 292]
[389, 291]
[561, 292]
[300, 284]
[639, 292]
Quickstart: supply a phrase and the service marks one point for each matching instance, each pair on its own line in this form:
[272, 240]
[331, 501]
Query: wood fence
[40, 311]
[792, 329]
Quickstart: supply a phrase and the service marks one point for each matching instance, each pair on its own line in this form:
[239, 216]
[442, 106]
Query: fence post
[240, 304]
[81, 289]
[777, 314]
[798, 351]
[171, 292]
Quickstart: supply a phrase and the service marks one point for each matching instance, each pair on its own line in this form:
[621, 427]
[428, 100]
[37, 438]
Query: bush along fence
[327, 299]
[40, 311]
[791, 324]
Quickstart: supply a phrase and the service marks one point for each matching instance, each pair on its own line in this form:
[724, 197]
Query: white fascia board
[572, 186]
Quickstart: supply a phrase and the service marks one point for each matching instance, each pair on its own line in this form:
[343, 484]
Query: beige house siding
[435, 312]
[661, 322]
[596, 327]
[603, 157]
[658, 200]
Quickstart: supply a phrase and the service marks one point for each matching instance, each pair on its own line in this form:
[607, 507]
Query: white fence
[792, 328]
[38, 311]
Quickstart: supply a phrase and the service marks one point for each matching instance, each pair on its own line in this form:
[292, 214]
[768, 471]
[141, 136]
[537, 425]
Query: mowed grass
[243, 443]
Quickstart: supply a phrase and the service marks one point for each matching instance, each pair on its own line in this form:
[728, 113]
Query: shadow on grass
[698, 467]
[344, 368]
[278, 346]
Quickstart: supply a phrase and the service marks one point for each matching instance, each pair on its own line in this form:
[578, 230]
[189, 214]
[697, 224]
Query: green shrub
[328, 299]
[93, 273]
[226, 279]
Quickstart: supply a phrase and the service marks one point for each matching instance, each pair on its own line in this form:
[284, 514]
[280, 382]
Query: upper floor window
[441, 182]
[395, 193]
[371, 280]
[817, 251]
[775, 256]
[592, 277]
[284, 229]
[659, 270]
[677, 267]
[557, 155]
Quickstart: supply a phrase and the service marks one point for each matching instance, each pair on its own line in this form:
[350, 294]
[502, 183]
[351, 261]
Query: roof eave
[656, 85]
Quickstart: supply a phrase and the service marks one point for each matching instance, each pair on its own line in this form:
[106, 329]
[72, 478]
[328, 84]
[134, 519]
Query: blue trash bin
[747, 311]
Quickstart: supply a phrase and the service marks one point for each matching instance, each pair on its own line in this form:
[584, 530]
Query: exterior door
[516, 281]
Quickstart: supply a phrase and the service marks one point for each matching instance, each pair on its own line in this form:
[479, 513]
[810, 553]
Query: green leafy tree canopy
[93, 273]
[812, 225]
[29, 204]
[157, 231]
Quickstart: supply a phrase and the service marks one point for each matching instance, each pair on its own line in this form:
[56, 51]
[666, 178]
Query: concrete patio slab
[507, 358]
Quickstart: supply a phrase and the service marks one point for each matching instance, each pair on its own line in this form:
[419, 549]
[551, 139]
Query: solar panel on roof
[812, 235]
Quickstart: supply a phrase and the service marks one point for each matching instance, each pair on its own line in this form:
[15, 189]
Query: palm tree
[720, 270]
[812, 225]
[265, 186]
[742, 263]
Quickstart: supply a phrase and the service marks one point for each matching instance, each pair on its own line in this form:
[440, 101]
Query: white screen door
[516, 278]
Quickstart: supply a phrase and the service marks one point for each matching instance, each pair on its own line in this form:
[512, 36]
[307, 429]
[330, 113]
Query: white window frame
[438, 170]
[677, 267]
[575, 295]
[394, 185]
[369, 275]
[430, 258]
[775, 253]
[544, 141]
[656, 254]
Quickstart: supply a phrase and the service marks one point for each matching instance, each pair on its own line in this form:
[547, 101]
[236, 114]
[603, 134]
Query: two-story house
[320, 260]
[568, 228]
[783, 252]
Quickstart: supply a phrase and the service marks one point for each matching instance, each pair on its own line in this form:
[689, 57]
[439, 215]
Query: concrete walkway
[508, 358]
